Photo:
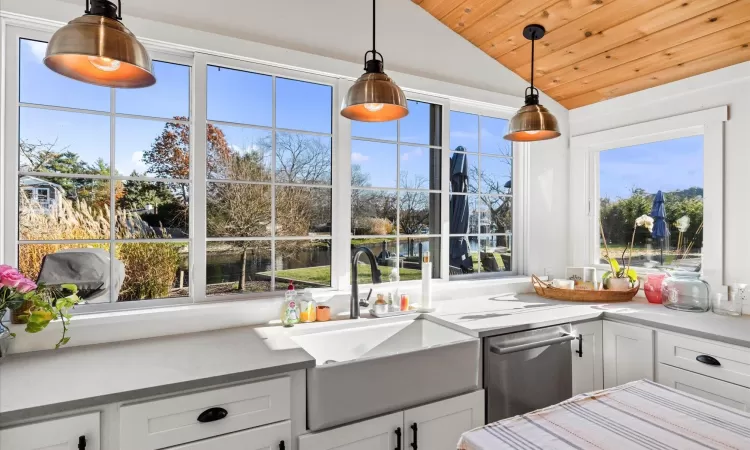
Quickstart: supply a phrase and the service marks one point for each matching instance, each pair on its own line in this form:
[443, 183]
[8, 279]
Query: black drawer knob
[212, 415]
[710, 360]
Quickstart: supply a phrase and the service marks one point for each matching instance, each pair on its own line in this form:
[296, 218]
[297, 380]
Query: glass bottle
[685, 291]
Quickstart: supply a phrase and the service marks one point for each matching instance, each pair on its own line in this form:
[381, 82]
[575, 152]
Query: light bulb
[105, 64]
[532, 132]
[373, 107]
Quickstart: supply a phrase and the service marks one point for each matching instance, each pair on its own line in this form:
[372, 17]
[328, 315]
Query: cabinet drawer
[172, 421]
[681, 351]
[270, 437]
[58, 434]
[727, 394]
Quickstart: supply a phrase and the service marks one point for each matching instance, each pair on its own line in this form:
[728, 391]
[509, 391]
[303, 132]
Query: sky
[238, 97]
[667, 166]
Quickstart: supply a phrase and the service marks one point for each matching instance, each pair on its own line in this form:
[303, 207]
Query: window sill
[117, 326]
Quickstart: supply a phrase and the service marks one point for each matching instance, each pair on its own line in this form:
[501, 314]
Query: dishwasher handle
[519, 348]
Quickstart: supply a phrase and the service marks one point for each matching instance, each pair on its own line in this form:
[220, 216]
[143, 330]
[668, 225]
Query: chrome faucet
[354, 301]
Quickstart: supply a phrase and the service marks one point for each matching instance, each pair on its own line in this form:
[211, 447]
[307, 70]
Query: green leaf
[32, 327]
[615, 265]
[632, 275]
[70, 287]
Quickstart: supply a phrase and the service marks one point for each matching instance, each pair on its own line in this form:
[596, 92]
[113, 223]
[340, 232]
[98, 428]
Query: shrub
[380, 226]
[150, 269]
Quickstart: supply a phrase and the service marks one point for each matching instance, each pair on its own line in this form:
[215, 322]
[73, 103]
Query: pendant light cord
[533, 38]
[373, 28]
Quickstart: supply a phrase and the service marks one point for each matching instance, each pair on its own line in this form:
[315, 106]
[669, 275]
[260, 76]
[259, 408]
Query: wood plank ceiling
[600, 49]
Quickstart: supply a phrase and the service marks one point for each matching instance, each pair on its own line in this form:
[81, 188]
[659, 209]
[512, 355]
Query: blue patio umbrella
[659, 214]
[459, 208]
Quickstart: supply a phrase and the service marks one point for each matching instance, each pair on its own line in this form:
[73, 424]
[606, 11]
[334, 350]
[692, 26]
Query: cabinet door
[59, 434]
[586, 354]
[439, 426]
[628, 353]
[271, 437]
[705, 387]
[381, 433]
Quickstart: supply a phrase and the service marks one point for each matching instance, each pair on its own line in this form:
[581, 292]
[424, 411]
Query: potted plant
[623, 278]
[36, 306]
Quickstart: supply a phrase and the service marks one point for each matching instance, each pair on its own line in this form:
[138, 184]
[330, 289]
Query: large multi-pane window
[641, 180]
[224, 180]
[481, 195]
[269, 170]
[395, 201]
[103, 180]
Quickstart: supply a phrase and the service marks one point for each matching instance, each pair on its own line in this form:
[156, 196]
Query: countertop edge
[140, 394]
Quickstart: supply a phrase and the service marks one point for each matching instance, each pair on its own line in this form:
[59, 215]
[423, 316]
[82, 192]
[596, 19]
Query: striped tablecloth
[638, 415]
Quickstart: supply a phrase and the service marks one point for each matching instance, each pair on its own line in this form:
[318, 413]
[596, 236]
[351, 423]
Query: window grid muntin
[112, 241]
[273, 184]
[396, 237]
[479, 194]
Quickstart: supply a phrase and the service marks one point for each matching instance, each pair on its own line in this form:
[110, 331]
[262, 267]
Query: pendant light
[533, 122]
[96, 48]
[374, 97]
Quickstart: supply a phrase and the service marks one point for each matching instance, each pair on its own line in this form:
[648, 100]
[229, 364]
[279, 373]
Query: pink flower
[25, 286]
[11, 278]
[5, 268]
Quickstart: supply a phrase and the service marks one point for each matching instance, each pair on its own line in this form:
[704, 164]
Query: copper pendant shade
[374, 97]
[533, 122]
[96, 48]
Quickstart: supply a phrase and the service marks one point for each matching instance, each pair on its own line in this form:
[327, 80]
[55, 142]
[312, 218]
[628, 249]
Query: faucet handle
[364, 303]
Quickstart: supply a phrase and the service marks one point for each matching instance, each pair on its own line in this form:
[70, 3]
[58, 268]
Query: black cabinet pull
[212, 415]
[82, 443]
[282, 446]
[710, 360]
[580, 346]
[398, 438]
[414, 429]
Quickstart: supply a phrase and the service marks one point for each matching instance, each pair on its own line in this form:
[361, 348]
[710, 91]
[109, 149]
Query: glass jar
[726, 302]
[685, 291]
[652, 288]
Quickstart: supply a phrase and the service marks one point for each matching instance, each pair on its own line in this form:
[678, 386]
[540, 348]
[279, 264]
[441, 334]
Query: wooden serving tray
[544, 289]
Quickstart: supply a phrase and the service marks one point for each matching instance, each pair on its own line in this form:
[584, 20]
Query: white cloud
[359, 157]
[416, 152]
[137, 159]
[38, 49]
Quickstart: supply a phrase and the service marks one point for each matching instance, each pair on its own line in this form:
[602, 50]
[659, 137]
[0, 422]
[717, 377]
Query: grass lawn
[478, 263]
[322, 274]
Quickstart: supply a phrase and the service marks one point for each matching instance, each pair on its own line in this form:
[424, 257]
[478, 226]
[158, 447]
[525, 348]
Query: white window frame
[200, 121]
[584, 184]
[24, 28]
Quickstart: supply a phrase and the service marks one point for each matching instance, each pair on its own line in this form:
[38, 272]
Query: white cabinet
[628, 353]
[586, 355]
[439, 426]
[271, 437]
[705, 387]
[382, 433]
[436, 426]
[186, 418]
[59, 434]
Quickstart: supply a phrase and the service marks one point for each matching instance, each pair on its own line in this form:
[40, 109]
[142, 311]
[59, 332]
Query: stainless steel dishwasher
[527, 370]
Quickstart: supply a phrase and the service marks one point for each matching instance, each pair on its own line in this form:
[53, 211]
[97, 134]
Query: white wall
[728, 86]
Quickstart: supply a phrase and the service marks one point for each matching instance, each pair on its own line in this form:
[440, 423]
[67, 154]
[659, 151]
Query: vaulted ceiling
[600, 49]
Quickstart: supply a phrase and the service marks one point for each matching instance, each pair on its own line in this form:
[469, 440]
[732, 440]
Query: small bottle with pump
[290, 310]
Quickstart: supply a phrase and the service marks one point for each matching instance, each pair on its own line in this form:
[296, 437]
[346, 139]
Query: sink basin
[365, 371]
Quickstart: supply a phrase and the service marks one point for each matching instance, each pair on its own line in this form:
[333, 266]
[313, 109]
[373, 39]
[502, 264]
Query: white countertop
[128, 370]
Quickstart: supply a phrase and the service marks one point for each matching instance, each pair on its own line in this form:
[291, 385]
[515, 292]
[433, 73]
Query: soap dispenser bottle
[290, 310]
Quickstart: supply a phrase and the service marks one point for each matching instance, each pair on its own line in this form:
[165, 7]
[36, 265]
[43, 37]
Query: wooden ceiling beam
[551, 17]
[696, 19]
[729, 57]
[663, 58]
[584, 28]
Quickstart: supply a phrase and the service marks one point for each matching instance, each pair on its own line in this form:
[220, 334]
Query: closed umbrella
[459, 207]
[659, 214]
